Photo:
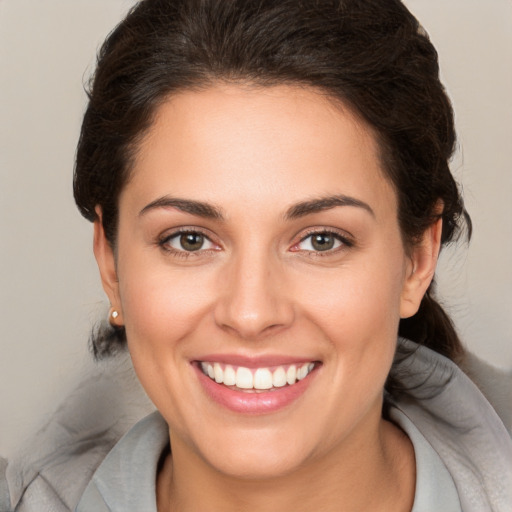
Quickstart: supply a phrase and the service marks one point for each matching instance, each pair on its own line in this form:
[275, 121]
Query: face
[260, 274]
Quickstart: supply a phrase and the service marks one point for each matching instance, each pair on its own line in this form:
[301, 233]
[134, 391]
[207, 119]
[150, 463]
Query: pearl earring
[112, 315]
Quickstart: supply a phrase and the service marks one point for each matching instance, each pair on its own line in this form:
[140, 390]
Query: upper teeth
[258, 378]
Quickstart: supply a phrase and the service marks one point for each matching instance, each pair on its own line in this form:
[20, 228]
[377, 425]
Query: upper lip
[254, 361]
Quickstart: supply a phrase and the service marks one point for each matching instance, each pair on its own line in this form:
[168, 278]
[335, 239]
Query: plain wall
[50, 292]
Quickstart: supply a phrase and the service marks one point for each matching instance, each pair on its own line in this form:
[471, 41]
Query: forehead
[254, 145]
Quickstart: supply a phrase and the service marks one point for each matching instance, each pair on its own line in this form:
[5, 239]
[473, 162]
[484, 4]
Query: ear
[105, 259]
[420, 269]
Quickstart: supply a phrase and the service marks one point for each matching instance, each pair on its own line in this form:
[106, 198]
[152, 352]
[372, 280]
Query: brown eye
[187, 241]
[322, 241]
[191, 241]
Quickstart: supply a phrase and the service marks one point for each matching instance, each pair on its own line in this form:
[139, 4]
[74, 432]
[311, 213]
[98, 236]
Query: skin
[258, 287]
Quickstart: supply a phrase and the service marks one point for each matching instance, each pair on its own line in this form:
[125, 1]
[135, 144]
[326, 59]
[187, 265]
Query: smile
[265, 378]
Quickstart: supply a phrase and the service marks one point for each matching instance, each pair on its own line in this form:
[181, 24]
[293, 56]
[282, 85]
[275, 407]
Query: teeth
[261, 378]
[302, 371]
[229, 376]
[218, 373]
[279, 378]
[244, 378]
[291, 375]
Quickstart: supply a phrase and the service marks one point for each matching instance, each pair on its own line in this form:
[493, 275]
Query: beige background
[50, 292]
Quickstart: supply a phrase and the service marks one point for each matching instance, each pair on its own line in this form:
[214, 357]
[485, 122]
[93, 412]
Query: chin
[256, 455]
[264, 465]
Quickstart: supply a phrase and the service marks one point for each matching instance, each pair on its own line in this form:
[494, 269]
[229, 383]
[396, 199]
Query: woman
[269, 187]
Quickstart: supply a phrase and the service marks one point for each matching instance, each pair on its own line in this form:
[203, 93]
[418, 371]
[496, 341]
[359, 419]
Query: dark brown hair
[371, 55]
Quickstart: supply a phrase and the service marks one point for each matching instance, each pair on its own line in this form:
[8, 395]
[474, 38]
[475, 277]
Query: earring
[112, 315]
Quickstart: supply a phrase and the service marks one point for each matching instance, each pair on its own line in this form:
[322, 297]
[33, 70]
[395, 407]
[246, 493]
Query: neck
[361, 475]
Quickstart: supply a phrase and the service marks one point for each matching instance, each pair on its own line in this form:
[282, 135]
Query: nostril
[251, 333]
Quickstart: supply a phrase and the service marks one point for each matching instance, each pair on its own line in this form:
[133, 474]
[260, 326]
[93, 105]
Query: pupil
[323, 242]
[191, 241]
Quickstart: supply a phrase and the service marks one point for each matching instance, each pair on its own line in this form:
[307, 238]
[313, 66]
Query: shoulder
[125, 480]
[427, 375]
[5, 501]
[52, 471]
[495, 384]
[460, 423]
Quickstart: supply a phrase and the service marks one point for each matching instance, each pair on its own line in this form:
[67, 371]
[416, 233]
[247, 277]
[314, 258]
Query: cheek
[163, 310]
[358, 311]
[161, 305]
[360, 301]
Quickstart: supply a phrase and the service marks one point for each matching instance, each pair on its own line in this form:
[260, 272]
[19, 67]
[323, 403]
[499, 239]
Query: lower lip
[253, 402]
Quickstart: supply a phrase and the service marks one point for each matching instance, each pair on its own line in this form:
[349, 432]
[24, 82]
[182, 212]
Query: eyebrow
[198, 208]
[210, 211]
[325, 203]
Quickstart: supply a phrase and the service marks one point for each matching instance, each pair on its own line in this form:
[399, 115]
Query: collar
[435, 488]
[126, 479]
[459, 423]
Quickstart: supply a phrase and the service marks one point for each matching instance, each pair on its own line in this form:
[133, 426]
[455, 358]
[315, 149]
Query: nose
[254, 301]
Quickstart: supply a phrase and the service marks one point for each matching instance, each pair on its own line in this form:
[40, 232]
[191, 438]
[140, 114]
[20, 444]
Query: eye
[187, 241]
[322, 241]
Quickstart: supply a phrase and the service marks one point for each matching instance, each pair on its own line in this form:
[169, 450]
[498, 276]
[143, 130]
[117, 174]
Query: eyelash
[163, 242]
[346, 242]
